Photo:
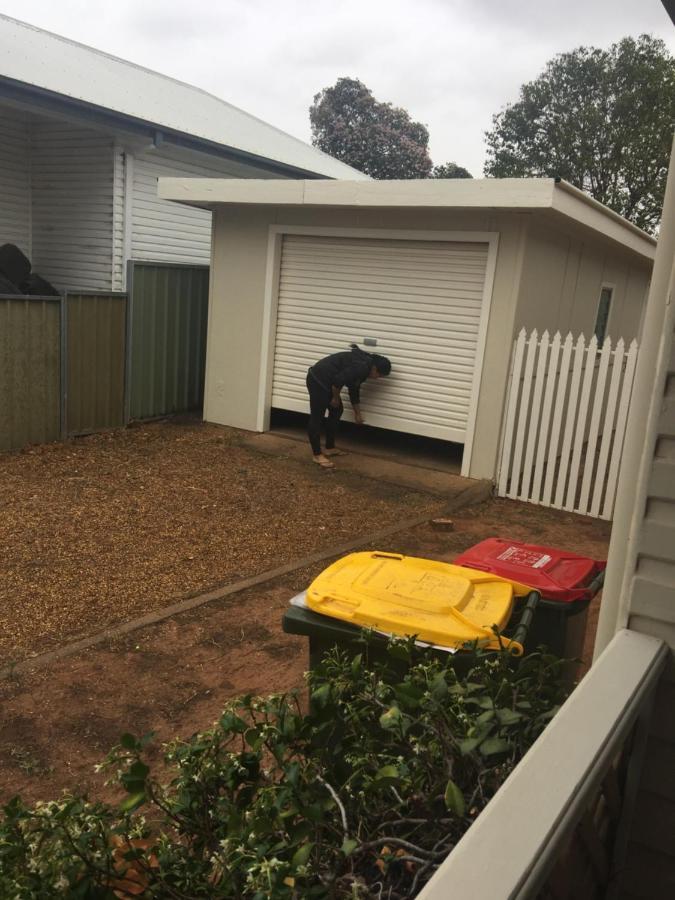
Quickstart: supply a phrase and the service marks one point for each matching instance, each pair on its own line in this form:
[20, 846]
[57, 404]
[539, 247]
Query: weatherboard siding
[14, 181]
[652, 591]
[72, 206]
[652, 611]
[169, 232]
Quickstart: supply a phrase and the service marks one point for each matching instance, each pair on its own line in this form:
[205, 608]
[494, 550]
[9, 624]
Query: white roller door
[421, 302]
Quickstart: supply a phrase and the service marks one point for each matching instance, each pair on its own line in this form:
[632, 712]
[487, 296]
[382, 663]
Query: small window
[603, 314]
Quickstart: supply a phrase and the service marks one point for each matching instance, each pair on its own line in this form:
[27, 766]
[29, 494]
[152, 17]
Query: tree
[376, 138]
[450, 170]
[602, 120]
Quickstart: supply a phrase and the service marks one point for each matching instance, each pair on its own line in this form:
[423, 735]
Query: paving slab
[458, 491]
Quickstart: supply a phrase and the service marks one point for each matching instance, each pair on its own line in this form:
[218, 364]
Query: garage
[439, 274]
[419, 302]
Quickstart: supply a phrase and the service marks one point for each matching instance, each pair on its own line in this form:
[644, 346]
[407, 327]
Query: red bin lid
[556, 574]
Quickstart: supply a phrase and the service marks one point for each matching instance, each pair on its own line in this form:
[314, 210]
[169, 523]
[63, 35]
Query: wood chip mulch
[105, 528]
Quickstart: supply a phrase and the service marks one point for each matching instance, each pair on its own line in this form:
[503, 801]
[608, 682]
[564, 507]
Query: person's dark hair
[381, 363]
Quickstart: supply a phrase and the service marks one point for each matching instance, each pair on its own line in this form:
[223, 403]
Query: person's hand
[335, 402]
[358, 418]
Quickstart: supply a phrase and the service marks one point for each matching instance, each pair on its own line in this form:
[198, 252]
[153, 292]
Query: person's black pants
[319, 402]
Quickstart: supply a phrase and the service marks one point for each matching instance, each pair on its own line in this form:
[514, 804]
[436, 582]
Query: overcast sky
[450, 63]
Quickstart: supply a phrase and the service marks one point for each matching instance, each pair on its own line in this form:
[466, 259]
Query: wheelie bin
[452, 609]
[567, 584]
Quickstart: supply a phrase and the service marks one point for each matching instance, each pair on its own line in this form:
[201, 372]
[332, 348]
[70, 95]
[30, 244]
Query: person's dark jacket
[348, 369]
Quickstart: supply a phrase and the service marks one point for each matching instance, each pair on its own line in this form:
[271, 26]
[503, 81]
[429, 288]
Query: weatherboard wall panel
[169, 232]
[73, 176]
[652, 611]
[15, 225]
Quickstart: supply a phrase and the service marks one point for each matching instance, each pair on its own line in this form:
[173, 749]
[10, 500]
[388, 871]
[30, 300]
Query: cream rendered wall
[238, 278]
[563, 273]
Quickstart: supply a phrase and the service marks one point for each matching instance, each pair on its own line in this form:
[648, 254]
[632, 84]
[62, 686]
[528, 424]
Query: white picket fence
[565, 422]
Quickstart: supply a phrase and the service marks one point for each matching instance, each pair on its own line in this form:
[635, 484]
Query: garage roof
[38, 60]
[507, 194]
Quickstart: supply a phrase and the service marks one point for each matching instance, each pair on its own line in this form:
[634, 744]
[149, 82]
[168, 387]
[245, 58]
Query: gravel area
[174, 677]
[105, 528]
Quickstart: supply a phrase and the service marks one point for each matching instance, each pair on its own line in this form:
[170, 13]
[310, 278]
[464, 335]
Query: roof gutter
[51, 102]
[600, 207]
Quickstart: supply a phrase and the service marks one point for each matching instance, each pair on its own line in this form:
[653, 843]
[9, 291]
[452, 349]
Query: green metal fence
[30, 370]
[95, 361]
[91, 360]
[167, 338]
[62, 366]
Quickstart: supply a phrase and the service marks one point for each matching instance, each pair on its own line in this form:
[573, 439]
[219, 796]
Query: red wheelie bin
[567, 584]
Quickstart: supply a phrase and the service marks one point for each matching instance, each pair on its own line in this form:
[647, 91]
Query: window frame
[605, 286]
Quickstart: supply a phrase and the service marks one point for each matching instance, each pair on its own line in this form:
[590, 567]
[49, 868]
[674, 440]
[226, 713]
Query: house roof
[507, 194]
[40, 61]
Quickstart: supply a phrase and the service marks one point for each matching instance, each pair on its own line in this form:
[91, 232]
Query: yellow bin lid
[438, 602]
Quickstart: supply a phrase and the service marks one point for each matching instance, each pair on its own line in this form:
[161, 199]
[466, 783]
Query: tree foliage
[450, 170]
[376, 138]
[361, 797]
[601, 119]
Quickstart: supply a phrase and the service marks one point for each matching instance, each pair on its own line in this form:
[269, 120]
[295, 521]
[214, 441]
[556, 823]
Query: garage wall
[562, 278]
[14, 181]
[236, 310]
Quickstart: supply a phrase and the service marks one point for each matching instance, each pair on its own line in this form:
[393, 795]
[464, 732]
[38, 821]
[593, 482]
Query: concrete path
[459, 492]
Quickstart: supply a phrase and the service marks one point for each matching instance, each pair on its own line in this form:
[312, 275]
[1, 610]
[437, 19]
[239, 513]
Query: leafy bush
[361, 797]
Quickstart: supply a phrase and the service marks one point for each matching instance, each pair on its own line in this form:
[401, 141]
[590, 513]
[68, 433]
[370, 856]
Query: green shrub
[361, 797]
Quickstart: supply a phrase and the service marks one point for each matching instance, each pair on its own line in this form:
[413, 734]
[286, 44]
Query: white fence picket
[563, 403]
[533, 425]
[589, 372]
[608, 429]
[570, 419]
[551, 377]
[622, 415]
[557, 420]
[594, 428]
[516, 369]
[524, 409]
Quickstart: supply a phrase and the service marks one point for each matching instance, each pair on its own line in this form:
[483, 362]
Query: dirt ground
[174, 677]
[102, 529]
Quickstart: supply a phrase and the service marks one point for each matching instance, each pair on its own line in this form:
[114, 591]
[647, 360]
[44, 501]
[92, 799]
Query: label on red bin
[530, 559]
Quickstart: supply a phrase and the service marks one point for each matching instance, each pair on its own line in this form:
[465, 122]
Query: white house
[437, 275]
[83, 139]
